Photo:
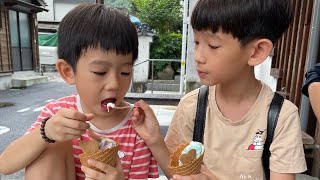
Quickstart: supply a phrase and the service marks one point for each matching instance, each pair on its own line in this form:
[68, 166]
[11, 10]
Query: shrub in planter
[166, 46]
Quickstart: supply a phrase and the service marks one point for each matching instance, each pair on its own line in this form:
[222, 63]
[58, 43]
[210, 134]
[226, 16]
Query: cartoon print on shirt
[258, 140]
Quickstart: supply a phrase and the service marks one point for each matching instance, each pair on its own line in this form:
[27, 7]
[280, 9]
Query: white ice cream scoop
[113, 106]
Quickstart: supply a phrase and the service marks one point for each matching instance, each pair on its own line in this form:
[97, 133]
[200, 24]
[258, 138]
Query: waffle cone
[185, 169]
[108, 156]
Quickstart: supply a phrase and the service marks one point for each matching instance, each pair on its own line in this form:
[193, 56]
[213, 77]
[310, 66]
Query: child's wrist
[43, 132]
[155, 141]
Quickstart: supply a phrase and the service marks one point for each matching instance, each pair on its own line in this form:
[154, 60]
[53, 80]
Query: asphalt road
[19, 108]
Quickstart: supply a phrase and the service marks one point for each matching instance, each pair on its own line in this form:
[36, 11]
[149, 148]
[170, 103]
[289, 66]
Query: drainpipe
[184, 43]
[311, 59]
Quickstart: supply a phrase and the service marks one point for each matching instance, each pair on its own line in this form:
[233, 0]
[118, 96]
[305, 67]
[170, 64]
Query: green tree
[119, 4]
[166, 46]
[165, 16]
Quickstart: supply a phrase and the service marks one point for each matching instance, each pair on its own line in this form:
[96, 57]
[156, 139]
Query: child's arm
[314, 90]
[148, 128]
[21, 152]
[65, 125]
[278, 176]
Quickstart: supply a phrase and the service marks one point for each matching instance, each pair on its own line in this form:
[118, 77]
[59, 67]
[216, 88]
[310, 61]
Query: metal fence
[152, 71]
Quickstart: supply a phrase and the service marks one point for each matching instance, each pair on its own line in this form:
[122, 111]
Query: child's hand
[109, 172]
[67, 124]
[145, 123]
[205, 174]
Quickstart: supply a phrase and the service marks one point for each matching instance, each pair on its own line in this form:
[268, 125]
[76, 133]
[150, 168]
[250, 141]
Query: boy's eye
[125, 73]
[214, 47]
[99, 73]
[196, 42]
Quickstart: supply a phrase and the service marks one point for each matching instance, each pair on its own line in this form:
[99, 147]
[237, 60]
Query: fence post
[152, 77]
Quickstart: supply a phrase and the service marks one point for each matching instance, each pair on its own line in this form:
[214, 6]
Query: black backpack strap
[200, 119]
[273, 114]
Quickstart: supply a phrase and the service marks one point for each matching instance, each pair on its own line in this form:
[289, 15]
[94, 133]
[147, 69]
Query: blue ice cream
[196, 146]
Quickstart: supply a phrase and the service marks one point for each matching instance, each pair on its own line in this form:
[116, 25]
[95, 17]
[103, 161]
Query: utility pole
[100, 1]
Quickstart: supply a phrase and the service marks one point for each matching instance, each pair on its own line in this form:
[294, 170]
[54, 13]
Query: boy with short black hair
[230, 38]
[97, 47]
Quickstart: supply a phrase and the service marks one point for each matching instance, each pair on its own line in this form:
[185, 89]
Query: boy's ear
[65, 71]
[261, 50]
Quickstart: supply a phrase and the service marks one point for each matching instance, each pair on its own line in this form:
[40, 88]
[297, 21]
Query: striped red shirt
[136, 158]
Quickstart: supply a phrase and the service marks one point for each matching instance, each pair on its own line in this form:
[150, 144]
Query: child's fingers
[91, 173]
[102, 166]
[66, 133]
[146, 108]
[72, 114]
[89, 116]
[119, 165]
[87, 178]
[75, 132]
[79, 125]
[136, 113]
[179, 177]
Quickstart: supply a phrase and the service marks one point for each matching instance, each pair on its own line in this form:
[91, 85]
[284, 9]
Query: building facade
[18, 39]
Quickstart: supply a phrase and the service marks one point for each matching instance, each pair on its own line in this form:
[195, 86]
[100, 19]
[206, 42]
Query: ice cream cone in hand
[187, 159]
[105, 150]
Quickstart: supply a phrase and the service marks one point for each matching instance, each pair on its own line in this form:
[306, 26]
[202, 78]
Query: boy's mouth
[104, 103]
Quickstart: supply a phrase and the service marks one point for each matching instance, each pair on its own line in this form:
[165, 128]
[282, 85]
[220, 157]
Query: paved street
[22, 106]
[19, 108]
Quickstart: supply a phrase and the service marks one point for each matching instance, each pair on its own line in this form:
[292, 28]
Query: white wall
[141, 71]
[61, 9]
[191, 72]
[57, 10]
[47, 16]
[48, 55]
[262, 72]
[5, 81]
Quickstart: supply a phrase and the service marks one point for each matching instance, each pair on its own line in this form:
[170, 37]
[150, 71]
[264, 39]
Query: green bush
[164, 16]
[166, 46]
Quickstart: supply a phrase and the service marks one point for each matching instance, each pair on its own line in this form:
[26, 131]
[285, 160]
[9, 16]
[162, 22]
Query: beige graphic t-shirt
[234, 150]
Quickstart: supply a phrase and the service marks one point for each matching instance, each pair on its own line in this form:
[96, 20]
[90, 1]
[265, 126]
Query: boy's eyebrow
[101, 62]
[128, 63]
[214, 35]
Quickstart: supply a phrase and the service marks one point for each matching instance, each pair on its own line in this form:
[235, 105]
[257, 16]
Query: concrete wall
[141, 68]
[262, 72]
[61, 9]
[47, 16]
[57, 10]
[192, 80]
[5, 81]
[48, 55]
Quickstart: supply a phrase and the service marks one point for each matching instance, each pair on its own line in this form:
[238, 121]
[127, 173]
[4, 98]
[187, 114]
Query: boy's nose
[198, 56]
[112, 83]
